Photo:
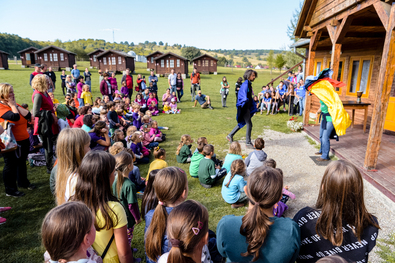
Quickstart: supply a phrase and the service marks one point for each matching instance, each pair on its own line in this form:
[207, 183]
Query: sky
[215, 24]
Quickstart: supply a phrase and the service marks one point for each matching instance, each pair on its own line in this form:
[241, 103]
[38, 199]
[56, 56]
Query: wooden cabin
[28, 57]
[151, 59]
[114, 60]
[357, 40]
[94, 62]
[205, 64]
[55, 57]
[3, 60]
[168, 61]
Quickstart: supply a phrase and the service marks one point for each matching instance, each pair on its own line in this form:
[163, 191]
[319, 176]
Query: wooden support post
[336, 50]
[384, 84]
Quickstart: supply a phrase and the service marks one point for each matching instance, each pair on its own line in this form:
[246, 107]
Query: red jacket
[104, 88]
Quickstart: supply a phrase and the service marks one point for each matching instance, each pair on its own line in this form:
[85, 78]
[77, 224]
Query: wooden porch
[352, 147]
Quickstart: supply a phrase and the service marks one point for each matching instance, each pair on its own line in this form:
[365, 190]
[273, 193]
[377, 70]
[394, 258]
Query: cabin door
[390, 117]
[32, 59]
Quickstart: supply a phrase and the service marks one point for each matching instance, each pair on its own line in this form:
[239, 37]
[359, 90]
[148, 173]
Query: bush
[387, 248]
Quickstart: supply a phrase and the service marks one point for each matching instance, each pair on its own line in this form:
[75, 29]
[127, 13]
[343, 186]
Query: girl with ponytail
[259, 236]
[187, 230]
[233, 184]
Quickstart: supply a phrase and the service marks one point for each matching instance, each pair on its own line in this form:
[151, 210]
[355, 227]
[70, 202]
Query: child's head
[259, 143]
[202, 140]
[154, 124]
[136, 137]
[270, 163]
[148, 113]
[185, 140]
[255, 98]
[111, 105]
[64, 235]
[167, 103]
[224, 79]
[235, 148]
[146, 92]
[146, 127]
[208, 149]
[131, 130]
[173, 101]
[267, 95]
[150, 85]
[118, 135]
[119, 112]
[238, 167]
[151, 95]
[124, 164]
[146, 119]
[127, 101]
[103, 115]
[341, 199]
[200, 146]
[97, 102]
[116, 148]
[150, 201]
[187, 229]
[85, 88]
[171, 188]
[240, 80]
[159, 153]
[123, 83]
[136, 107]
[138, 96]
[264, 190]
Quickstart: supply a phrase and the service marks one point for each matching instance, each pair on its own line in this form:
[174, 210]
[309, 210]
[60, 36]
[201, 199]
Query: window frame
[343, 61]
[178, 63]
[119, 61]
[162, 63]
[113, 61]
[360, 59]
[316, 61]
[171, 63]
[104, 61]
[55, 57]
[94, 58]
[61, 56]
[45, 57]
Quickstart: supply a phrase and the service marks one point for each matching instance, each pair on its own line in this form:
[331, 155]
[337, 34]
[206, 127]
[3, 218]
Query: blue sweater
[229, 158]
[232, 193]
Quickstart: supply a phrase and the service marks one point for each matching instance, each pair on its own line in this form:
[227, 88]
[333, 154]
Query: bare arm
[125, 254]
[107, 142]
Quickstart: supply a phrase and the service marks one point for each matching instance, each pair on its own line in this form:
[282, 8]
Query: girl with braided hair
[233, 184]
[258, 236]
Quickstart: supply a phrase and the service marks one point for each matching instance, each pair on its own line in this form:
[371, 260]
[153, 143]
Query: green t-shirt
[324, 109]
[206, 169]
[184, 153]
[128, 196]
[194, 166]
[224, 84]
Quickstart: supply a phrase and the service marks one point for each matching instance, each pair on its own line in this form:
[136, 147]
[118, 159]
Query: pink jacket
[151, 100]
[148, 138]
[155, 132]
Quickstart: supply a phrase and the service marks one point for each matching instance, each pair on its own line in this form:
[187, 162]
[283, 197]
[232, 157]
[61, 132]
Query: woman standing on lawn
[15, 168]
[224, 91]
[179, 86]
[246, 107]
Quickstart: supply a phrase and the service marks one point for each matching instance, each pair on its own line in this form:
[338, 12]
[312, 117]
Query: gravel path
[292, 153]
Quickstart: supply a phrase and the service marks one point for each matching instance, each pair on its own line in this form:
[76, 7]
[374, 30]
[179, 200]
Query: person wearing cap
[201, 98]
[37, 70]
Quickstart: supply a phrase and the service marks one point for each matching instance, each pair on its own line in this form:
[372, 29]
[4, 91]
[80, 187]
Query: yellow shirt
[104, 236]
[55, 101]
[166, 108]
[156, 164]
[87, 96]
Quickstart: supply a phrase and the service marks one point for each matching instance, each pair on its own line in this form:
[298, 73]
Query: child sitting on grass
[137, 148]
[256, 158]
[159, 137]
[148, 139]
[197, 156]
[125, 190]
[173, 107]
[129, 132]
[166, 108]
[233, 154]
[233, 184]
[184, 149]
[152, 107]
[136, 115]
[119, 136]
[208, 172]
[159, 162]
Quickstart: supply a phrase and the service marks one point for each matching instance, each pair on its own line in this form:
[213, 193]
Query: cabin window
[27, 56]
[61, 57]
[162, 63]
[119, 60]
[50, 57]
[178, 63]
[167, 63]
[359, 79]
[105, 61]
[339, 76]
[212, 63]
[172, 63]
[317, 68]
[55, 57]
[94, 58]
[45, 57]
[199, 63]
[206, 61]
[152, 59]
[114, 62]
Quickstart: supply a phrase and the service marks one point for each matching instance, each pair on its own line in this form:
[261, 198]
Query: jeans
[194, 89]
[247, 119]
[130, 94]
[48, 143]
[152, 145]
[324, 139]
[145, 159]
[224, 95]
[81, 102]
[180, 93]
[15, 169]
[173, 89]
[88, 82]
[267, 105]
[275, 107]
[301, 105]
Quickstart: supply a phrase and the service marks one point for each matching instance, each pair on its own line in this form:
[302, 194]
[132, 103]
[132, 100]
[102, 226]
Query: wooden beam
[383, 11]
[315, 39]
[334, 22]
[307, 28]
[343, 28]
[332, 33]
[336, 50]
[383, 92]
[285, 72]
[300, 55]
[309, 71]
[310, 34]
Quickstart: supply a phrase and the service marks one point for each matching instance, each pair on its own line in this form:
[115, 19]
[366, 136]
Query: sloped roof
[99, 49]
[121, 53]
[1, 51]
[23, 50]
[301, 42]
[170, 53]
[55, 47]
[156, 52]
[203, 56]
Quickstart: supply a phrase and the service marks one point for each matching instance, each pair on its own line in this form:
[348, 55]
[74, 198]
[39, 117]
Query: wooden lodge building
[3, 60]
[114, 61]
[28, 57]
[357, 40]
[55, 57]
[151, 64]
[205, 64]
[168, 61]
[94, 62]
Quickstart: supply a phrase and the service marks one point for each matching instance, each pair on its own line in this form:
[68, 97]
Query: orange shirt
[195, 79]
[20, 128]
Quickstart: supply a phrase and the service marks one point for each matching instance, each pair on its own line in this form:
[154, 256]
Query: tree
[222, 61]
[293, 22]
[291, 59]
[244, 59]
[165, 48]
[132, 44]
[190, 53]
[230, 62]
[258, 57]
[146, 42]
[270, 60]
[280, 61]
[160, 43]
[231, 56]
[154, 43]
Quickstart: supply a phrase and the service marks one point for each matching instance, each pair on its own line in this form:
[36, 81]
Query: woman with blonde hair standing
[14, 166]
[43, 111]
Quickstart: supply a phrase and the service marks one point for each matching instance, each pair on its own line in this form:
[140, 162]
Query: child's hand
[217, 167]
[142, 178]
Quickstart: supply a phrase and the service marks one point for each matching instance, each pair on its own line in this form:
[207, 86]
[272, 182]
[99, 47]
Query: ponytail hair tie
[161, 203]
[175, 242]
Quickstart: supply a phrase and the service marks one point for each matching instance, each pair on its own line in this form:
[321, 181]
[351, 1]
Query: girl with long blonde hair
[184, 149]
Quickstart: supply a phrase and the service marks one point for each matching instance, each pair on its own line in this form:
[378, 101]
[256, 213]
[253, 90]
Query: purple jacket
[124, 90]
[136, 120]
[113, 82]
[104, 88]
[79, 88]
[136, 148]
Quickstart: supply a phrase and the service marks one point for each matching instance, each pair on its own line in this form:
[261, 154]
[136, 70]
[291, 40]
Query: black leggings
[180, 93]
[247, 120]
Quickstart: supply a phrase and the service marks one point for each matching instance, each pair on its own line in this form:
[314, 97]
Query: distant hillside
[13, 43]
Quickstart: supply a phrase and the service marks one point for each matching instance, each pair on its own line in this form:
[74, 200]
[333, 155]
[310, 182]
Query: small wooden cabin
[55, 57]
[357, 40]
[94, 62]
[3, 60]
[114, 60]
[151, 59]
[168, 61]
[205, 64]
[28, 57]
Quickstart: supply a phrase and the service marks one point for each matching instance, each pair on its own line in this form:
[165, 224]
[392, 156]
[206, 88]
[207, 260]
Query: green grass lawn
[20, 236]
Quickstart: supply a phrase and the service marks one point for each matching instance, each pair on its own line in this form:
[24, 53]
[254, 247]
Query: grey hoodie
[254, 160]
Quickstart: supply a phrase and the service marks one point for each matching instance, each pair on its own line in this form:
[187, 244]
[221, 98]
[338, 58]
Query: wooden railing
[286, 72]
